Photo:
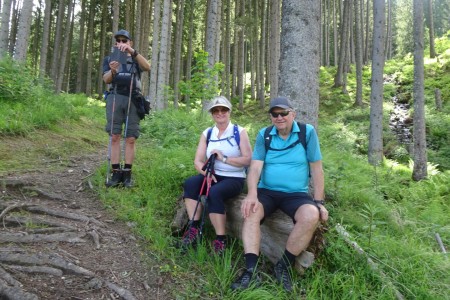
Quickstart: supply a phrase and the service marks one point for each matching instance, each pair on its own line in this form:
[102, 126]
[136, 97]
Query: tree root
[93, 233]
[68, 237]
[37, 269]
[14, 293]
[8, 278]
[67, 215]
[36, 221]
[44, 259]
[125, 294]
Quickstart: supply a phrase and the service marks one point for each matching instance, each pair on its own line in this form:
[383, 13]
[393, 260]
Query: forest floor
[58, 241]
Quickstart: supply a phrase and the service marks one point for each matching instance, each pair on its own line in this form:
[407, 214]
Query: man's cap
[123, 32]
[281, 102]
[219, 101]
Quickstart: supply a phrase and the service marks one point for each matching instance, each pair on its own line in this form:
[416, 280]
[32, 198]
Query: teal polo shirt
[287, 170]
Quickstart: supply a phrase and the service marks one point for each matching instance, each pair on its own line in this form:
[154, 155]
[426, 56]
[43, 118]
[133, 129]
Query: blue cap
[123, 32]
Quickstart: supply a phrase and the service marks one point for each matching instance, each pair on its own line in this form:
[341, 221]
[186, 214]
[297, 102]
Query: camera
[119, 56]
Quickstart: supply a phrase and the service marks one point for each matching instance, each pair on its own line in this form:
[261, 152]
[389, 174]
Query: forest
[371, 76]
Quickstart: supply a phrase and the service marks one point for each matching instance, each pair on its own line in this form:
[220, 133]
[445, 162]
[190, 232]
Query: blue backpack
[235, 136]
[301, 138]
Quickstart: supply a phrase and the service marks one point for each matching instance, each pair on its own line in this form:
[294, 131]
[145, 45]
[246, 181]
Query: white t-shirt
[228, 146]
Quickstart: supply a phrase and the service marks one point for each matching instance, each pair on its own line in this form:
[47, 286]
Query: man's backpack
[301, 138]
[235, 135]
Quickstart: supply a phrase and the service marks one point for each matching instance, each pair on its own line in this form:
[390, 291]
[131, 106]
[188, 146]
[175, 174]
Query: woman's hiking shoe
[116, 178]
[219, 246]
[126, 178]
[283, 276]
[248, 278]
[189, 238]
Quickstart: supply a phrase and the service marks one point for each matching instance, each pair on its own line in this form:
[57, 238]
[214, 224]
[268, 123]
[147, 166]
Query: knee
[131, 140]
[307, 214]
[115, 138]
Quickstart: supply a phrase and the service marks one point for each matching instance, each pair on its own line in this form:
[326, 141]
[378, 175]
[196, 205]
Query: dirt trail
[58, 242]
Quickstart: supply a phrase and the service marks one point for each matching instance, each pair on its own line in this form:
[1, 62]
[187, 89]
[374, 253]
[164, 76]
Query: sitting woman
[231, 145]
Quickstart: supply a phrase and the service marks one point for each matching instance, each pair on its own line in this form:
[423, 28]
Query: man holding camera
[122, 72]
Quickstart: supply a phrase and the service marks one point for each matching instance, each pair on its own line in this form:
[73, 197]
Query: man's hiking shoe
[190, 238]
[219, 246]
[283, 276]
[126, 178]
[116, 178]
[248, 278]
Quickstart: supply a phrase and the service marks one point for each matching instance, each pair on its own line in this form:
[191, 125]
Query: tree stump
[274, 232]
[438, 99]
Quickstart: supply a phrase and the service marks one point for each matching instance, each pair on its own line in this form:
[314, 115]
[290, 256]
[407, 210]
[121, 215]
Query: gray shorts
[119, 104]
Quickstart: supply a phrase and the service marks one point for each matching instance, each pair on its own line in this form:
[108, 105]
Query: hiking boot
[116, 178]
[249, 277]
[219, 246]
[190, 238]
[126, 178]
[283, 276]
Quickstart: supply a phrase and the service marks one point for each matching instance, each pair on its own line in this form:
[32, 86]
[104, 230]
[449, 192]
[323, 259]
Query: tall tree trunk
[210, 38]
[45, 39]
[358, 54]
[335, 35]
[234, 70]
[300, 58]
[419, 137]
[89, 49]
[65, 48]
[81, 50]
[226, 50]
[57, 41]
[189, 49]
[431, 28]
[155, 53]
[274, 46]
[339, 77]
[241, 58]
[366, 46]
[262, 57]
[161, 100]
[388, 49]
[4, 27]
[376, 95]
[105, 46]
[177, 60]
[23, 33]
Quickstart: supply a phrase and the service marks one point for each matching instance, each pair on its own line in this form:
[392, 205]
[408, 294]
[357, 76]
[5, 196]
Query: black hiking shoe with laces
[248, 278]
[190, 238]
[283, 276]
[116, 178]
[126, 178]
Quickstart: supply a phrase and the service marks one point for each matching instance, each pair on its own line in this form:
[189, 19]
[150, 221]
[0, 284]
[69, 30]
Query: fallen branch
[341, 230]
[69, 237]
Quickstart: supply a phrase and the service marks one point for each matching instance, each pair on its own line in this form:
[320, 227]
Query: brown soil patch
[57, 241]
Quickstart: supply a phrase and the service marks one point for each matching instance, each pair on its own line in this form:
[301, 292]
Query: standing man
[124, 79]
[278, 179]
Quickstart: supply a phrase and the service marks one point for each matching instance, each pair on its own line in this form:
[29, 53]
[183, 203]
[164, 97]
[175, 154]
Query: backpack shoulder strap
[236, 134]
[267, 137]
[302, 134]
[208, 136]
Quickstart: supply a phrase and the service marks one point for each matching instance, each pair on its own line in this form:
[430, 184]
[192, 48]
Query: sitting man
[278, 179]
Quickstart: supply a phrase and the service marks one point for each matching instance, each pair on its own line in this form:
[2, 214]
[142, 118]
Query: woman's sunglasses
[277, 114]
[121, 41]
[222, 110]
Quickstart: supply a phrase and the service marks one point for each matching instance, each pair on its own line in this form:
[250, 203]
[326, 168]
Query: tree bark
[376, 95]
[300, 58]
[358, 54]
[419, 136]
[23, 33]
[274, 46]
[4, 27]
[177, 59]
[431, 28]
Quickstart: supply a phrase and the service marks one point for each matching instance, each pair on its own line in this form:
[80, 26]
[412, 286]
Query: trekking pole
[108, 169]
[126, 121]
[209, 168]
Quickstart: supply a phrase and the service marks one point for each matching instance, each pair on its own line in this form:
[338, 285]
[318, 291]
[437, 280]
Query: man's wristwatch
[224, 159]
[321, 202]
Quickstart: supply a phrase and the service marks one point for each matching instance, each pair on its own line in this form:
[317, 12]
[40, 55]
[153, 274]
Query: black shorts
[286, 202]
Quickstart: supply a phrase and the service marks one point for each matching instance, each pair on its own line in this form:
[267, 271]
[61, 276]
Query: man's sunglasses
[121, 40]
[277, 114]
